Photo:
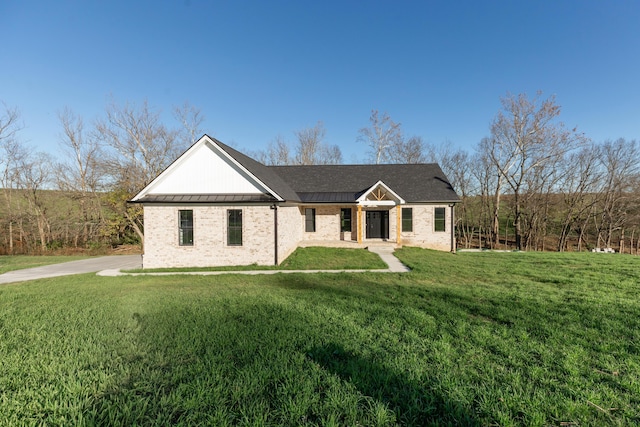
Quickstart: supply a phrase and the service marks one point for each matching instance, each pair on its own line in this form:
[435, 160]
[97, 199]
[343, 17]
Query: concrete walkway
[384, 252]
[112, 266]
[89, 265]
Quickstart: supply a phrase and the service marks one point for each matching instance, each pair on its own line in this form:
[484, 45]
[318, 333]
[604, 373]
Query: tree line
[531, 184]
[534, 184]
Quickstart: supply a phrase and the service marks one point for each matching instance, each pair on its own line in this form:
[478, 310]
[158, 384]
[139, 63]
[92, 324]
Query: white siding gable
[204, 169]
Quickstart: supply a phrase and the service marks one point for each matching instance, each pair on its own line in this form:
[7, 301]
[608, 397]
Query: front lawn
[311, 258]
[468, 339]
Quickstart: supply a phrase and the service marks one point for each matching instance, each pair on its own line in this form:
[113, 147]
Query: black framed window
[185, 228]
[234, 227]
[345, 219]
[309, 220]
[407, 219]
[439, 219]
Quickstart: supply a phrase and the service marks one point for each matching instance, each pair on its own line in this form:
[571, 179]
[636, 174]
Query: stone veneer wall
[161, 248]
[423, 233]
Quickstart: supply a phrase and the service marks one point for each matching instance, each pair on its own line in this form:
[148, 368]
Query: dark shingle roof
[326, 183]
[412, 182]
[265, 174]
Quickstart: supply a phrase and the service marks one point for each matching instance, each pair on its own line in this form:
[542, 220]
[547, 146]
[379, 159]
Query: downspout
[275, 233]
[453, 230]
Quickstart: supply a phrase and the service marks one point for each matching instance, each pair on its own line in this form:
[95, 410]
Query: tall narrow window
[309, 220]
[234, 227]
[345, 219]
[407, 219]
[185, 228]
[439, 219]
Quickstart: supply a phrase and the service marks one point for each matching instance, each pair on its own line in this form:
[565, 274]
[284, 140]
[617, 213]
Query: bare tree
[405, 151]
[381, 136]
[458, 166]
[331, 155]
[191, 120]
[526, 137]
[580, 174]
[492, 182]
[12, 154]
[34, 176]
[80, 175]
[312, 150]
[276, 154]
[620, 159]
[140, 147]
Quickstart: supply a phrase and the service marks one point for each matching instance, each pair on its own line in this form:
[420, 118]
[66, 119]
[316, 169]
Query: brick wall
[290, 229]
[162, 249]
[327, 223]
[423, 233]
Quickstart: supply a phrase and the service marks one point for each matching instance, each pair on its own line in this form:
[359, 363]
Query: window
[439, 219]
[407, 219]
[234, 227]
[345, 219]
[309, 220]
[185, 228]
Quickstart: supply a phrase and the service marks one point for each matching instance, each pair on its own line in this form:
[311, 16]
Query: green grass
[311, 258]
[19, 262]
[470, 339]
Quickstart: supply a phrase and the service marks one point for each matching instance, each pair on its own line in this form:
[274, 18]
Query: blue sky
[258, 69]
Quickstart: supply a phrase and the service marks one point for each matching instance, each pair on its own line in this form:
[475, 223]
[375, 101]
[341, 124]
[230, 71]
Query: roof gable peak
[379, 194]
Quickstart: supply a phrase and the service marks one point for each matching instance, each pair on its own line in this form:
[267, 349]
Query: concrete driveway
[90, 265]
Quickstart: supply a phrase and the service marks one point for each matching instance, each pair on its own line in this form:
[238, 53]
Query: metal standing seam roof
[317, 197]
[205, 198]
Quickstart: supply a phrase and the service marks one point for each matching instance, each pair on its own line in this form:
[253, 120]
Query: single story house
[215, 206]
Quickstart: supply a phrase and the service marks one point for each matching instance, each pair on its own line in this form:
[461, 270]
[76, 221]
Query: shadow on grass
[247, 359]
[413, 403]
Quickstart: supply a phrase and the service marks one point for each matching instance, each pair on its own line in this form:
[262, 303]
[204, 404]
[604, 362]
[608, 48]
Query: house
[215, 206]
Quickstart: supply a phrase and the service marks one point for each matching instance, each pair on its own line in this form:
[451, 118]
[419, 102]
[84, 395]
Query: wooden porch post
[359, 222]
[398, 225]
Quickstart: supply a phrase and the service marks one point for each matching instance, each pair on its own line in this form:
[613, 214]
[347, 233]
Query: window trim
[310, 223]
[184, 229]
[437, 221]
[344, 220]
[407, 221]
[234, 228]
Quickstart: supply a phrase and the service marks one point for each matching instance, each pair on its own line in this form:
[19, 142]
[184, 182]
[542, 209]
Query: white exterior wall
[204, 170]
[424, 234]
[162, 249]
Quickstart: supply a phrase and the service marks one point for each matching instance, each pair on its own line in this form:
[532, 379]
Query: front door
[377, 224]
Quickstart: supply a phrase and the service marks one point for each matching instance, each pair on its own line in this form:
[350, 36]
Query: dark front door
[377, 224]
